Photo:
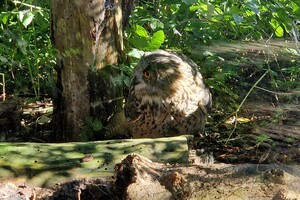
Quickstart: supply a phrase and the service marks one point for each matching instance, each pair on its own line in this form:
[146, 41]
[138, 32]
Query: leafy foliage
[191, 25]
[91, 126]
[26, 54]
[195, 22]
[142, 39]
[263, 138]
[27, 57]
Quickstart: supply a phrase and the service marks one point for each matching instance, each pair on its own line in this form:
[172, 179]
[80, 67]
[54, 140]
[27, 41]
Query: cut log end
[140, 178]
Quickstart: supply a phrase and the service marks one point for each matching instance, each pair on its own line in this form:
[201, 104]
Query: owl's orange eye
[147, 75]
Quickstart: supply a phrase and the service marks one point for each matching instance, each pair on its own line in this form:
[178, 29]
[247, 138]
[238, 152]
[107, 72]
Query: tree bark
[88, 37]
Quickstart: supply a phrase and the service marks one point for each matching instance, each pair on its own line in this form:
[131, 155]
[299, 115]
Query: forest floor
[261, 134]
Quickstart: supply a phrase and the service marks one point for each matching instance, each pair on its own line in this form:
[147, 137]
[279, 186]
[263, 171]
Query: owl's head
[156, 74]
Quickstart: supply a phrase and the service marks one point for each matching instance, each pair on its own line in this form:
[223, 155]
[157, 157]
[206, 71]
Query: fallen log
[140, 178]
[46, 164]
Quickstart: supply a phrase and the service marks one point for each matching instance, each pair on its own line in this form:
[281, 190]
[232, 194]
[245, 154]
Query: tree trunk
[88, 37]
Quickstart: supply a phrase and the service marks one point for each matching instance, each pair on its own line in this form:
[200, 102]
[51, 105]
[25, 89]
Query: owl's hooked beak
[135, 81]
[137, 84]
[140, 87]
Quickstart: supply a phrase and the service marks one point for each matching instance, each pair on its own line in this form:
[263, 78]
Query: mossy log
[45, 164]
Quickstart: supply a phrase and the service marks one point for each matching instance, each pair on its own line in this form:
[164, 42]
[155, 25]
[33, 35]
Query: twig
[28, 5]
[100, 102]
[114, 99]
[273, 92]
[252, 88]
[238, 109]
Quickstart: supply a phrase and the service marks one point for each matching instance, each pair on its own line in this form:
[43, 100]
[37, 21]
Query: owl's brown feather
[167, 96]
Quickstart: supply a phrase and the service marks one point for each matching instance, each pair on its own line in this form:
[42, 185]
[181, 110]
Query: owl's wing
[205, 100]
[205, 97]
[131, 107]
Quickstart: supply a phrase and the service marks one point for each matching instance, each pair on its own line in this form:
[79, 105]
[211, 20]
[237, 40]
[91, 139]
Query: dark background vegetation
[232, 42]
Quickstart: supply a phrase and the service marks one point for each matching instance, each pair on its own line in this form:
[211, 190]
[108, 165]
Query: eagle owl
[167, 97]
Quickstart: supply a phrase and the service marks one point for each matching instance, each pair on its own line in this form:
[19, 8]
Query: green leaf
[263, 138]
[210, 10]
[218, 10]
[21, 15]
[139, 42]
[141, 31]
[195, 7]
[295, 7]
[97, 125]
[27, 19]
[135, 53]
[237, 19]
[88, 120]
[157, 40]
[126, 81]
[85, 134]
[156, 24]
[234, 10]
[277, 28]
[253, 6]
[287, 26]
[22, 44]
[189, 2]
[3, 59]
[273, 73]
[202, 6]
[4, 17]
